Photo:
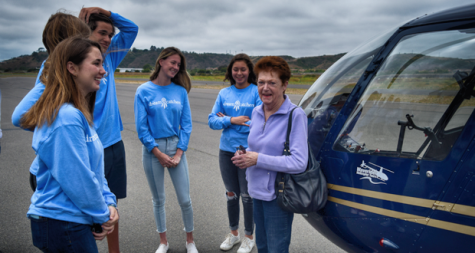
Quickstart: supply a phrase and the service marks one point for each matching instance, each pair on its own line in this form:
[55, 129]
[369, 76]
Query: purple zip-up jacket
[267, 139]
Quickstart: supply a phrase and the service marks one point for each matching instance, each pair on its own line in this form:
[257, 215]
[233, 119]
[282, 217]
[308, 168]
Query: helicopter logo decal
[370, 173]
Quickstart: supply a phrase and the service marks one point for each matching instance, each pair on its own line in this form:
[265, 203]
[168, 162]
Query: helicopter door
[453, 215]
[402, 142]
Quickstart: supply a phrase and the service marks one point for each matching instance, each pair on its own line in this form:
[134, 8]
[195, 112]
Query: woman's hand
[245, 160]
[100, 236]
[240, 120]
[113, 219]
[108, 227]
[177, 157]
[164, 159]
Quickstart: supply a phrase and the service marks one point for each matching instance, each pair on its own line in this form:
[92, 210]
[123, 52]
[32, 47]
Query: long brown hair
[181, 78]
[60, 86]
[61, 26]
[246, 59]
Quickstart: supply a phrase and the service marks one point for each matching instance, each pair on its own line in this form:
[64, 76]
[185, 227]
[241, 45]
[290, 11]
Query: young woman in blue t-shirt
[163, 122]
[232, 113]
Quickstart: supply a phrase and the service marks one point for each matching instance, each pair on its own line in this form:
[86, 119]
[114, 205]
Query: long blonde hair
[60, 86]
[181, 78]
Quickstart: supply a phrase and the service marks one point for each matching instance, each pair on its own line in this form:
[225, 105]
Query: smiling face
[102, 35]
[271, 89]
[240, 74]
[170, 66]
[89, 73]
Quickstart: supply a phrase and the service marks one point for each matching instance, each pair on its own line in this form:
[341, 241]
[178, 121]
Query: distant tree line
[197, 63]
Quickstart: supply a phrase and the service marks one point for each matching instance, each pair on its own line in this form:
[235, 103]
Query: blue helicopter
[393, 125]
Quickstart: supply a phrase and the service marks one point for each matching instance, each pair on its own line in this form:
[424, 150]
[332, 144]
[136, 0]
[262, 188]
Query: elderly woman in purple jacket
[263, 159]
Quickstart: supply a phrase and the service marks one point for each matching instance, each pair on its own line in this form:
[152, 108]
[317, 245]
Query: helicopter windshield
[413, 107]
[325, 98]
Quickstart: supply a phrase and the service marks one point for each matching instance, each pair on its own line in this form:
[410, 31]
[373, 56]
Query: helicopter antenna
[381, 167]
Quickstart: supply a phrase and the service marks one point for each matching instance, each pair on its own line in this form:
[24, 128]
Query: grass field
[407, 83]
[303, 79]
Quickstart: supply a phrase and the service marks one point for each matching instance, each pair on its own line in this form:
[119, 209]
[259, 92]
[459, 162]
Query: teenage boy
[107, 121]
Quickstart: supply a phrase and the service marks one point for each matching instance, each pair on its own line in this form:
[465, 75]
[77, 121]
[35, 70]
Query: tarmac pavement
[137, 225]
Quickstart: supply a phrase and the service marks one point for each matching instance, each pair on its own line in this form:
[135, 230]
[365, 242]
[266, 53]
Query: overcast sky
[256, 27]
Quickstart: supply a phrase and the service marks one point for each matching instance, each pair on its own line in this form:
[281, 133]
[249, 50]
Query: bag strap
[287, 138]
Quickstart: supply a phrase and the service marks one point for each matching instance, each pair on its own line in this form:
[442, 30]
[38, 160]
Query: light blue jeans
[155, 173]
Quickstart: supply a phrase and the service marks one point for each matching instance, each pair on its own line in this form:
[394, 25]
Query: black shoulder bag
[305, 192]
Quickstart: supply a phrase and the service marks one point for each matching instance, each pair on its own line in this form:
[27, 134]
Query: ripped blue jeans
[155, 173]
[235, 181]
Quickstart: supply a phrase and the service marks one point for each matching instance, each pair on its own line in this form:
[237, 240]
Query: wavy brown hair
[246, 59]
[181, 78]
[61, 26]
[60, 86]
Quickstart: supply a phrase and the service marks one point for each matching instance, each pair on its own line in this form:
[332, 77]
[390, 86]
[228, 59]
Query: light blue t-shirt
[233, 102]
[160, 112]
[70, 179]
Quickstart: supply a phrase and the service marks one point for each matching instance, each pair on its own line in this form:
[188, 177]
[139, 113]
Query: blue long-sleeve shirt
[107, 120]
[70, 178]
[160, 112]
[29, 100]
[233, 102]
[267, 139]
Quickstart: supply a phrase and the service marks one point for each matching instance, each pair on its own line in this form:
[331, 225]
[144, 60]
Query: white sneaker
[162, 248]
[191, 248]
[230, 241]
[246, 245]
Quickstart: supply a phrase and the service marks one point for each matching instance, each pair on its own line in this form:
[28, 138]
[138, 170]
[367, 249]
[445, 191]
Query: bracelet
[115, 206]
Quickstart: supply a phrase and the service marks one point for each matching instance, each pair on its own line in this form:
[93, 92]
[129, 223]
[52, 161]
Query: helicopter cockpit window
[324, 100]
[418, 102]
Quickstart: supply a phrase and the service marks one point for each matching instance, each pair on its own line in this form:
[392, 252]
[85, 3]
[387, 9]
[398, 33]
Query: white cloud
[297, 28]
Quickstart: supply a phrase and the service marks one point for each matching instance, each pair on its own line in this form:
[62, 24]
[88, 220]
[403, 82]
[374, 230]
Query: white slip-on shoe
[191, 248]
[230, 241]
[246, 245]
[162, 248]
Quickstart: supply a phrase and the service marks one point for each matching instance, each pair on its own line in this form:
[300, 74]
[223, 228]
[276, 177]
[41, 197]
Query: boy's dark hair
[94, 18]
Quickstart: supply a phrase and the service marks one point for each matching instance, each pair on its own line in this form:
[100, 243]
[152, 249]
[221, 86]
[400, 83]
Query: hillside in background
[138, 58]
[24, 62]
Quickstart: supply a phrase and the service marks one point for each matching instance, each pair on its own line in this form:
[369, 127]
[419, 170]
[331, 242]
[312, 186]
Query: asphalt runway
[137, 225]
